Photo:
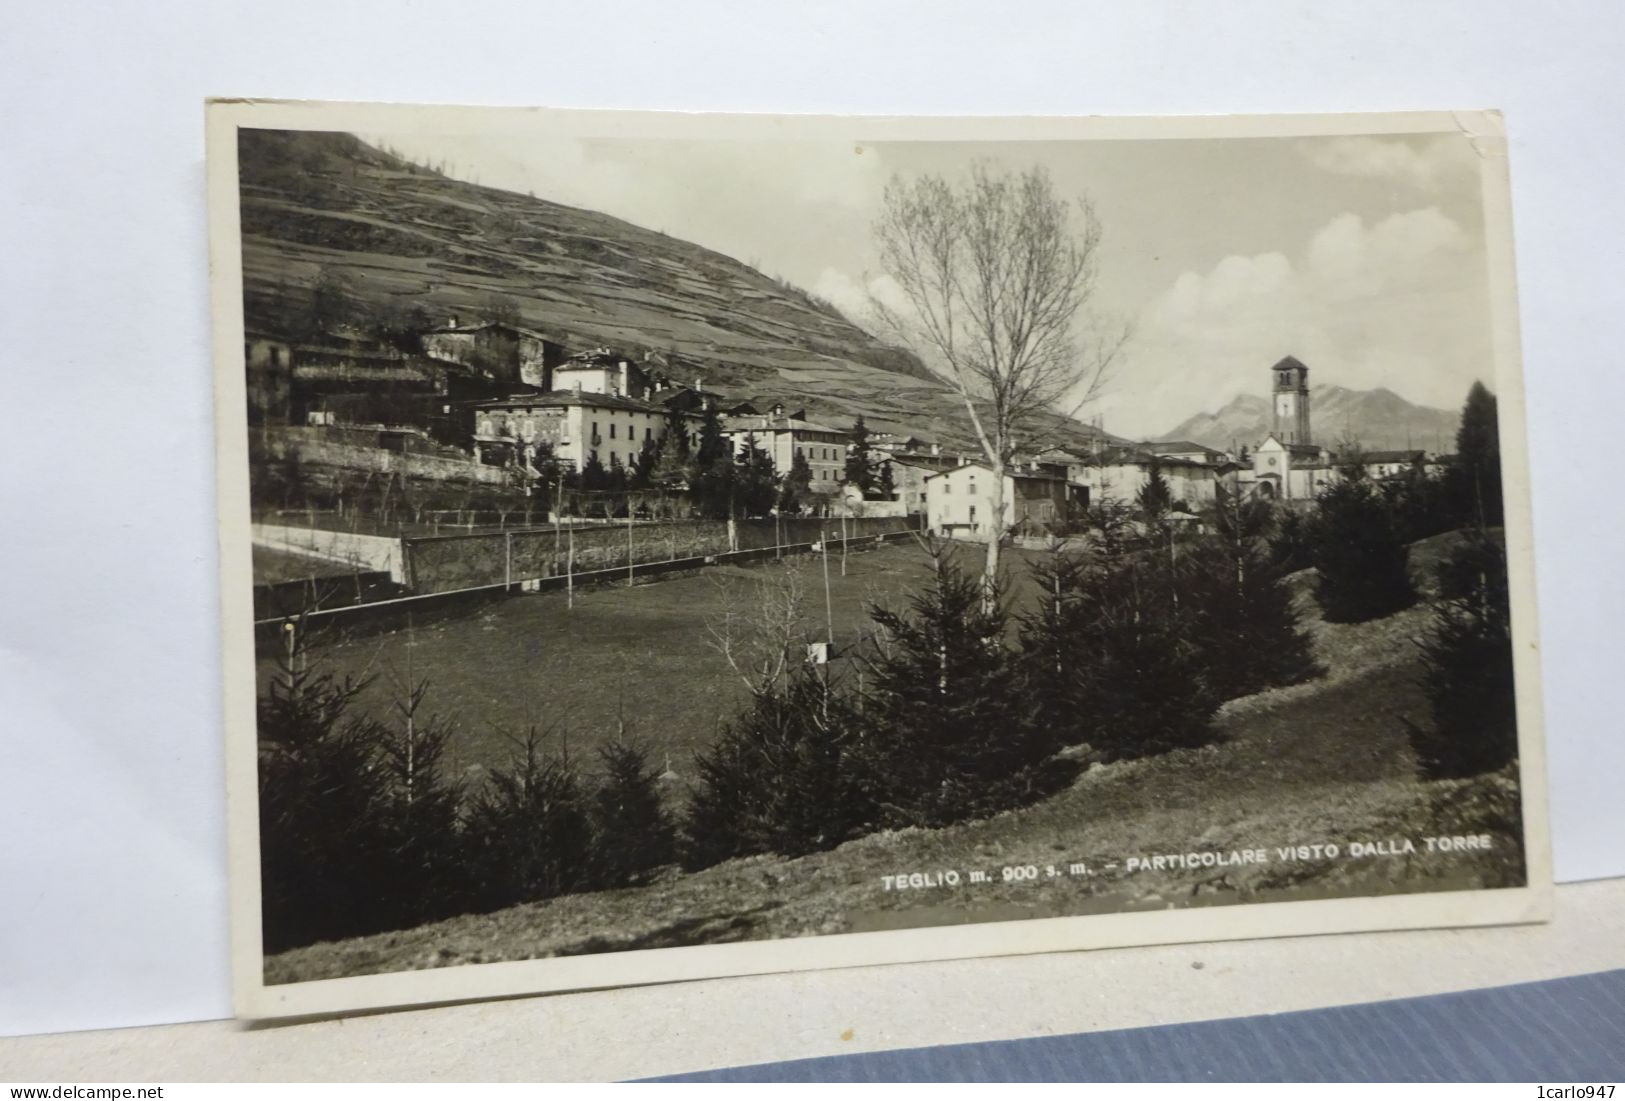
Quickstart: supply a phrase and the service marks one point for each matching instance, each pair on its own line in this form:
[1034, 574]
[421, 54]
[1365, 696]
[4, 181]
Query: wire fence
[568, 548]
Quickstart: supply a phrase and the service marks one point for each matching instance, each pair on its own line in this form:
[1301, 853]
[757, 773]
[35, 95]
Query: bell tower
[1291, 402]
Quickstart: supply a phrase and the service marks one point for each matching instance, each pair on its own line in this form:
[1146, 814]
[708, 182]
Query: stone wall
[440, 564]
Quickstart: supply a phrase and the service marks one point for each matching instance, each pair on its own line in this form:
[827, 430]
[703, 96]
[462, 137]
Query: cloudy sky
[1362, 256]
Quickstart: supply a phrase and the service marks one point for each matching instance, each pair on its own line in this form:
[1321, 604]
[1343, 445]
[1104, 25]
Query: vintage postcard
[659, 546]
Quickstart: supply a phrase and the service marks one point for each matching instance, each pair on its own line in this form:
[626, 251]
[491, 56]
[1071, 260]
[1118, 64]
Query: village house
[891, 443]
[1186, 451]
[909, 470]
[603, 371]
[501, 352]
[783, 436]
[959, 503]
[578, 425]
[1074, 465]
[269, 360]
[1389, 464]
[1119, 473]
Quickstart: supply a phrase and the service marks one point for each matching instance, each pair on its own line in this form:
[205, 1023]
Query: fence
[454, 562]
[353, 549]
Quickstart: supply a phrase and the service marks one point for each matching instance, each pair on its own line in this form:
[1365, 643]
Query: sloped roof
[1017, 475]
[481, 326]
[1290, 363]
[565, 398]
[1182, 447]
[767, 423]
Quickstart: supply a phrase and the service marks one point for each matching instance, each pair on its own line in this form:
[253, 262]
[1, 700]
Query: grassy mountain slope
[405, 236]
[1379, 419]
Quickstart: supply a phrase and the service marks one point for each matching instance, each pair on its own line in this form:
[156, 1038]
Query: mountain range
[1378, 419]
[407, 240]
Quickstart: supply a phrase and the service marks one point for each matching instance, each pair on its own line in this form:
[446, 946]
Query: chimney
[626, 391]
[698, 383]
[936, 449]
[451, 322]
[778, 409]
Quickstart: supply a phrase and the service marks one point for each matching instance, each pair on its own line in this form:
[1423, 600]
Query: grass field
[1323, 761]
[642, 656]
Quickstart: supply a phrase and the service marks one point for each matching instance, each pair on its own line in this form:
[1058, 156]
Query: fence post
[507, 561]
[843, 544]
[733, 535]
[570, 564]
[629, 555]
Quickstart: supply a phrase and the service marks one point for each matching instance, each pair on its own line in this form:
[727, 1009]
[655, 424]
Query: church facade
[1288, 465]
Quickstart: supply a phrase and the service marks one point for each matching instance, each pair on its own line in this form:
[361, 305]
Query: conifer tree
[1358, 547]
[785, 775]
[322, 835]
[944, 746]
[632, 833]
[1242, 614]
[1477, 474]
[797, 484]
[594, 478]
[641, 476]
[419, 813]
[711, 473]
[1467, 662]
[1154, 498]
[756, 484]
[528, 836]
[1113, 659]
[671, 460]
[859, 468]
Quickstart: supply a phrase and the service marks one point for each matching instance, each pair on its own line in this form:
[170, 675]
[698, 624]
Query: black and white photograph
[665, 546]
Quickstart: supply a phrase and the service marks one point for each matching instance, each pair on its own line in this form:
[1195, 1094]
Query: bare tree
[759, 630]
[996, 273]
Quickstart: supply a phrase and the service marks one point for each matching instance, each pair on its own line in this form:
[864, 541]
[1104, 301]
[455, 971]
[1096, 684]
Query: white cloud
[1399, 303]
[1424, 163]
[855, 297]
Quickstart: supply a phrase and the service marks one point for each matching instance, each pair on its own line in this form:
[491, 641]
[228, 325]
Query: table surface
[686, 1027]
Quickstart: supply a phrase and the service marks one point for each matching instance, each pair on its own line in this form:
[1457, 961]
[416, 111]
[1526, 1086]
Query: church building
[1288, 465]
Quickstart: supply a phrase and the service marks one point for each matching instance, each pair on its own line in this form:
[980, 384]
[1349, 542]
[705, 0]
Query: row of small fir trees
[960, 711]
[954, 709]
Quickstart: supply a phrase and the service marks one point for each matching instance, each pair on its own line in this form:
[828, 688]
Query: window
[276, 357]
[612, 430]
[648, 433]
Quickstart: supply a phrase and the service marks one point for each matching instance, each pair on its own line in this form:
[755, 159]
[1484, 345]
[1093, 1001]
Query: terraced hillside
[404, 236]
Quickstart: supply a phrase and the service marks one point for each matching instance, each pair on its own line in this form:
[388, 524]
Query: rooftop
[1182, 447]
[566, 398]
[1018, 475]
[481, 326]
[766, 423]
